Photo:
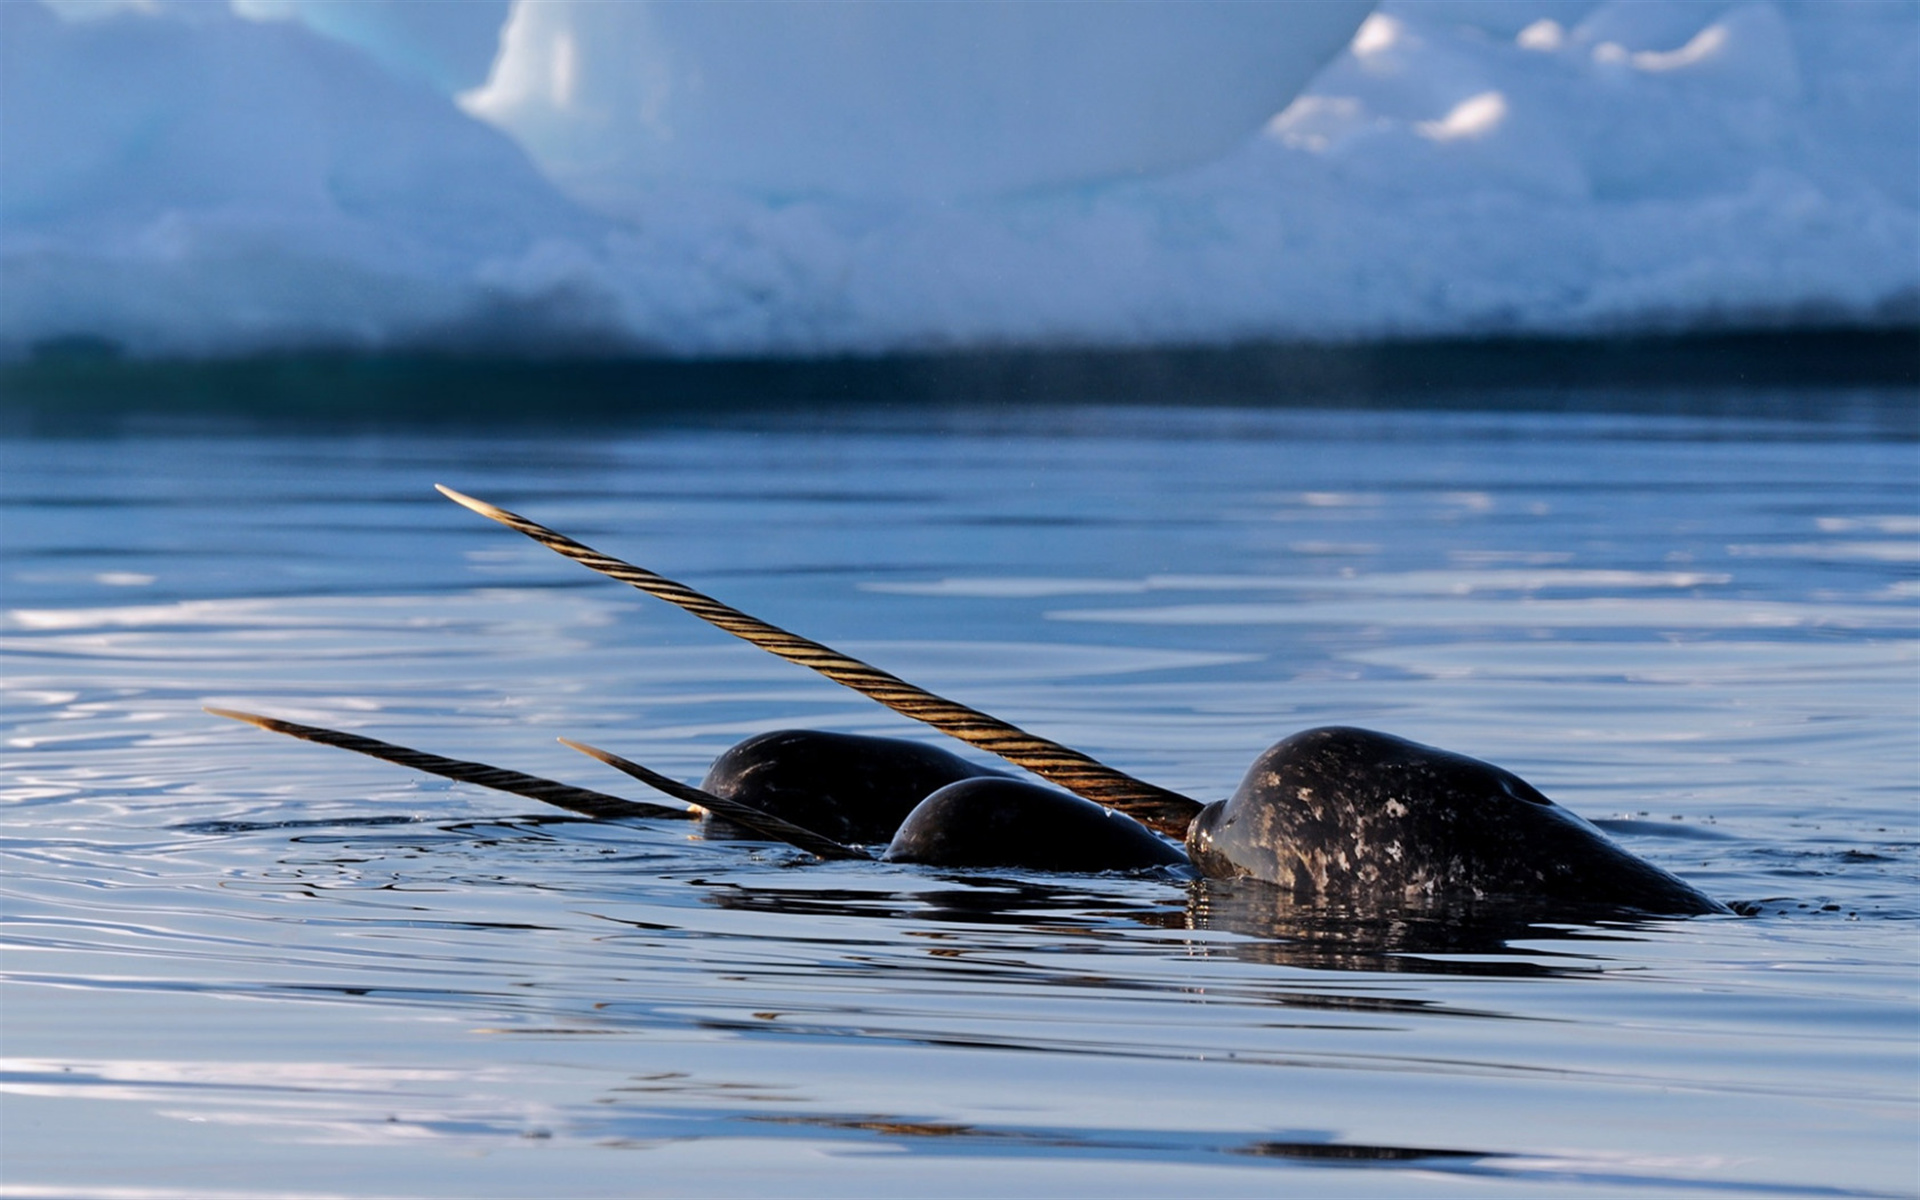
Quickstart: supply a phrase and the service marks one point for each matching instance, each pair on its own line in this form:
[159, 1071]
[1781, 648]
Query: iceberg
[202, 184]
[192, 179]
[450, 46]
[875, 98]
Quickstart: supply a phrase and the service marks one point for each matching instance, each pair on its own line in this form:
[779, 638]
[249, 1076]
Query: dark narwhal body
[932, 807]
[1008, 823]
[847, 786]
[1349, 815]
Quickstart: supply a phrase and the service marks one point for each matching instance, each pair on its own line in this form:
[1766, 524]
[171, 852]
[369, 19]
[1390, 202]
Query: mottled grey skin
[1011, 824]
[1347, 815]
[849, 787]
[1333, 816]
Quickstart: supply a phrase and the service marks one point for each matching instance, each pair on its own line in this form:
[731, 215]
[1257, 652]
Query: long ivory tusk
[1167, 811]
[560, 795]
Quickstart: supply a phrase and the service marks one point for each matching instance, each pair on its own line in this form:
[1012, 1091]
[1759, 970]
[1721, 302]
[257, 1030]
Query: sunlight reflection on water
[308, 966]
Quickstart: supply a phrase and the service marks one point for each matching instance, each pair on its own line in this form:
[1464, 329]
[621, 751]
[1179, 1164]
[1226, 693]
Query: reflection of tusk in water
[560, 795]
[1167, 811]
[752, 818]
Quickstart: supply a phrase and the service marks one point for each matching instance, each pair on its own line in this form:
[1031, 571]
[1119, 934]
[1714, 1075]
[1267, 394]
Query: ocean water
[237, 964]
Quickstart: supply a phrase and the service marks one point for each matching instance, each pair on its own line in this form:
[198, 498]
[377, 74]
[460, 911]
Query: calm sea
[239, 965]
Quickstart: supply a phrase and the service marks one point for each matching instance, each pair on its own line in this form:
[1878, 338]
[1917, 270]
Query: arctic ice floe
[180, 179]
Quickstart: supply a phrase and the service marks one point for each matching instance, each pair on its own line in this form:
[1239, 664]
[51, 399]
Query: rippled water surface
[238, 964]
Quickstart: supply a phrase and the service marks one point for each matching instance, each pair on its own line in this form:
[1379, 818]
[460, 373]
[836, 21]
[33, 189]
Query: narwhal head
[1351, 816]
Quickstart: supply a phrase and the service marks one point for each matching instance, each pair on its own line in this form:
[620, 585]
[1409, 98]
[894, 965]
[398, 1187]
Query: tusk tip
[593, 752]
[466, 501]
[232, 714]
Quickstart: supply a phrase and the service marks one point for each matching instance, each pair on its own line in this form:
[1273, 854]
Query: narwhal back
[847, 786]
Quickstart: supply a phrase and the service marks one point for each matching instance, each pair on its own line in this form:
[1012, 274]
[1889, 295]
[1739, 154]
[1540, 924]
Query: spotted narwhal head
[1342, 815]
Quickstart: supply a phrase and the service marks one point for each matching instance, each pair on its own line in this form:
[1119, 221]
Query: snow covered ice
[822, 178]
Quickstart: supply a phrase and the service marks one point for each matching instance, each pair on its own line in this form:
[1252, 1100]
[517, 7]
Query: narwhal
[1333, 815]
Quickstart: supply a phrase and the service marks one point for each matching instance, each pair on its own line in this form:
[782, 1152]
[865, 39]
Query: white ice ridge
[178, 178]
